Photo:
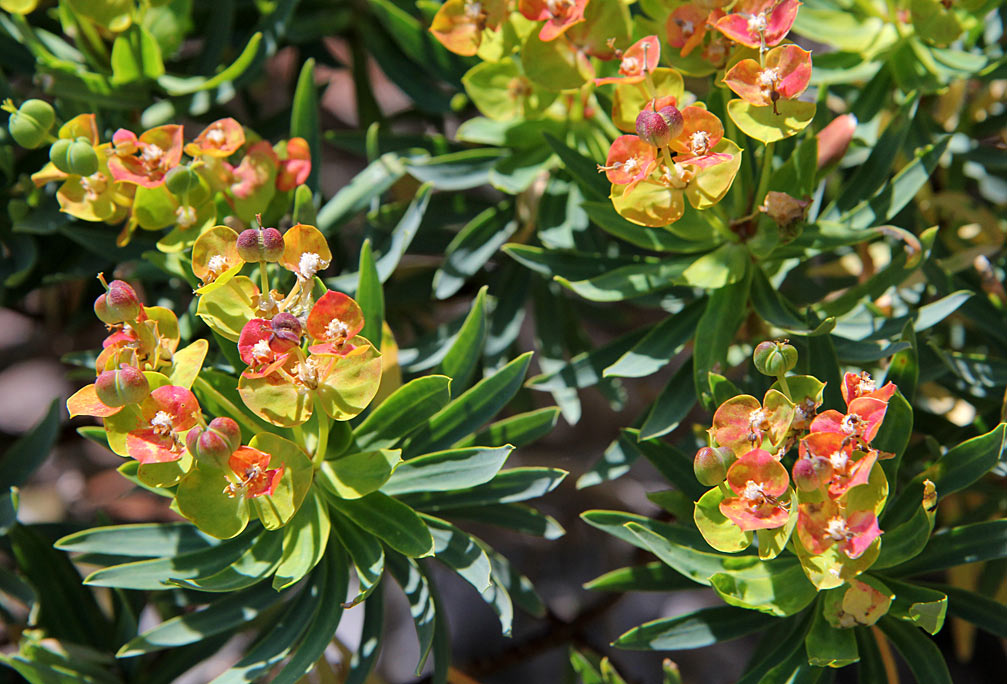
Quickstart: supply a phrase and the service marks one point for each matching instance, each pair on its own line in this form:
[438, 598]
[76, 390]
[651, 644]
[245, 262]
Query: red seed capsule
[118, 305]
[127, 385]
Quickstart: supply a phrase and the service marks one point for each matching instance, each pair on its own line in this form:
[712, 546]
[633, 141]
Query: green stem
[263, 279]
[786, 388]
[323, 433]
[204, 387]
[764, 174]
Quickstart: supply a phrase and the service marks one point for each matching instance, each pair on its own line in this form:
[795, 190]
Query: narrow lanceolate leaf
[585, 369]
[471, 410]
[672, 463]
[421, 605]
[517, 430]
[390, 520]
[304, 119]
[584, 170]
[725, 309]
[957, 469]
[653, 576]
[367, 652]
[513, 516]
[27, 453]
[828, 646]
[354, 197]
[370, 296]
[920, 653]
[628, 282]
[305, 539]
[614, 463]
[985, 613]
[458, 551]
[444, 471]
[694, 630]
[143, 540]
[672, 405]
[657, 348]
[251, 567]
[922, 606]
[959, 545]
[472, 247]
[157, 573]
[615, 523]
[463, 357]
[230, 612]
[365, 551]
[774, 309]
[403, 411]
[509, 486]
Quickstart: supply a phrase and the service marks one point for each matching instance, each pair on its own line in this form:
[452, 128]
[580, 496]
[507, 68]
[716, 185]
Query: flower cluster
[829, 500]
[304, 356]
[146, 180]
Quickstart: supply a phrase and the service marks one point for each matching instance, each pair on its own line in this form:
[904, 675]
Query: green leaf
[777, 648]
[584, 170]
[458, 551]
[669, 239]
[958, 545]
[513, 516]
[404, 410]
[175, 86]
[983, 612]
[322, 629]
[587, 368]
[694, 630]
[957, 469]
[922, 606]
[254, 565]
[304, 119]
[421, 606]
[30, 450]
[568, 263]
[356, 475]
[411, 36]
[305, 539]
[653, 576]
[723, 266]
[828, 646]
[509, 486]
[227, 614]
[672, 405]
[725, 310]
[773, 308]
[617, 524]
[657, 348]
[356, 195]
[456, 170]
[672, 463]
[444, 471]
[390, 520]
[366, 655]
[472, 247]
[463, 357]
[907, 540]
[919, 652]
[135, 56]
[627, 282]
[370, 296]
[365, 551]
[517, 430]
[614, 463]
[471, 410]
[157, 573]
[893, 437]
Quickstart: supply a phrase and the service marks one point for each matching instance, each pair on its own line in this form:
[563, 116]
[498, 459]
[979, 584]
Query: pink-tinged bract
[295, 165]
[261, 348]
[686, 28]
[862, 385]
[144, 161]
[166, 413]
[861, 423]
[785, 76]
[701, 131]
[757, 480]
[638, 61]
[732, 423]
[835, 138]
[755, 20]
[820, 525]
[221, 139]
[558, 15]
[630, 160]
[251, 467]
[333, 321]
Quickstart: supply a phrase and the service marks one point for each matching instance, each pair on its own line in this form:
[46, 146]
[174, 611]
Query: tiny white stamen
[757, 417]
[753, 490]
[836, 529]
[631, 166]
[217, 264]
[849, 423]
[699, 142]
[866, 383]
[310, 264]
[185, 216]
[216, 137]
[629, 64]
[688, 28]
[757, 23]
[839, 460]
[161, 422]
[768, 77]
[677, 176]
[337, 330]
[152, 154]
[261, 351]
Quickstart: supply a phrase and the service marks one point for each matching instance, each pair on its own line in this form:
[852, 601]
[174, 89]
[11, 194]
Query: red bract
[701, 131]
[166, 413]
[849, 467]
[741, 423]
[145, 160]
[758, 480]
[334, 320]
[835, 138]
[820, 525]
[757, 22]
[855, 386]
[255, 169]
[251, 467]
[860, 424]
[630, 160]
[785, 76]
[264, 345]
[295, 166]
[639, 60]
[558, 15]
[686, 28]
[222, 138]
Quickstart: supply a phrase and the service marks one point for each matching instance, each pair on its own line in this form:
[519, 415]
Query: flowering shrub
[727, 218]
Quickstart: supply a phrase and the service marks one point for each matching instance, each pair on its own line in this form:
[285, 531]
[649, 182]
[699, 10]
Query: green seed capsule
[181, 180]
[31, 123]
[77, 157]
